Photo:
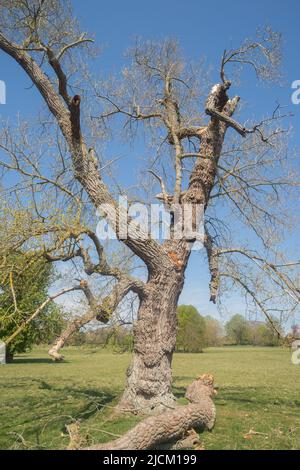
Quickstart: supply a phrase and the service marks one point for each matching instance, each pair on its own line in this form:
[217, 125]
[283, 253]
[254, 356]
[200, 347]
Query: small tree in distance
[238, 330]
[191, 330]
[214, 332]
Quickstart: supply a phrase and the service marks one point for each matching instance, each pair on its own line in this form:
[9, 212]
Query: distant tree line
[195, 333]
[240, 331]
[23, 287]
[117, 338]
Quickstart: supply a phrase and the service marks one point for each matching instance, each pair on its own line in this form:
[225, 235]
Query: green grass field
[259, 389]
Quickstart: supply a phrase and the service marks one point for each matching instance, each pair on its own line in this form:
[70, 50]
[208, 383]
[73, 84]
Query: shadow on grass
[179, 392]
[257, 397]
[32, 360]
[97, 399]
[47, 411]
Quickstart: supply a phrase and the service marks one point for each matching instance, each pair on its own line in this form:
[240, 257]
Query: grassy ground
[258, 389]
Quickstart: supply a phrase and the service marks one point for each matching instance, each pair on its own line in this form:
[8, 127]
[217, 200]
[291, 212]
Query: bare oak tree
[204, 157]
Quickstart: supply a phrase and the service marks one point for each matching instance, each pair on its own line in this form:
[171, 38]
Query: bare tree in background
[237, 181]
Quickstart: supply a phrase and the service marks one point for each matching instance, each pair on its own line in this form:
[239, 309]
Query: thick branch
[40, 80]
[203, 175]
[62, 79]
[97, 311]
[212, 256]
[172, 425]
[227, 120]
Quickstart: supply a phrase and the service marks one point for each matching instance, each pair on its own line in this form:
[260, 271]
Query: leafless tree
[238, 180]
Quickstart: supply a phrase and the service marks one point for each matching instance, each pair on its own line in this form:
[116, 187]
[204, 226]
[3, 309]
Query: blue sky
[202, 28]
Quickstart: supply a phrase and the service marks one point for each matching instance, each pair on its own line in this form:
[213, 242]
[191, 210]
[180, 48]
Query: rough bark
[213, 267]
[171, 426]
[149, 378]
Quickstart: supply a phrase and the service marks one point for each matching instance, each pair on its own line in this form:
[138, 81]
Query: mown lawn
[259, 390]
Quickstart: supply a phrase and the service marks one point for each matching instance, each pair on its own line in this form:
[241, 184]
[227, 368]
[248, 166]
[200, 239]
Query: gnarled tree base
[171, 426]
[146, 405]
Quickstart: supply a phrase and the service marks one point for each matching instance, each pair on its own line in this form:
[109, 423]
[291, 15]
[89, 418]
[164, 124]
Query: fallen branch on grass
[171, 426]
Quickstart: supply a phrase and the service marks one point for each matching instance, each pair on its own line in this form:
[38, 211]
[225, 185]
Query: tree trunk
[149, 378]
[9, 356]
